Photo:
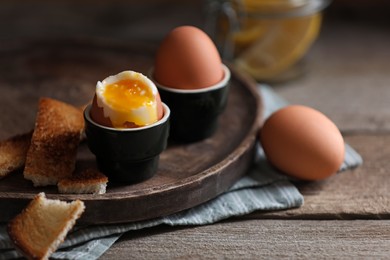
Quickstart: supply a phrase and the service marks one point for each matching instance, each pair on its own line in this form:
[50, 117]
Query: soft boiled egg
[126, 100]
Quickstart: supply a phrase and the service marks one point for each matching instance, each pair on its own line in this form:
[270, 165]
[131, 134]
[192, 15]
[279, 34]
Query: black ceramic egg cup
[127, 155]
[195, 112]
[131, 155]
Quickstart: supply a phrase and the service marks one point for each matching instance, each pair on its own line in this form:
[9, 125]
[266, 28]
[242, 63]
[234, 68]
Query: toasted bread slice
[88, 181]
[43, 225]
[57, 134]
[13, 153]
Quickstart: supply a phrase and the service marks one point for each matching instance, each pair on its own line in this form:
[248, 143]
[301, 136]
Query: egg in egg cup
[195, 112]
[127, 127]
[127, 154]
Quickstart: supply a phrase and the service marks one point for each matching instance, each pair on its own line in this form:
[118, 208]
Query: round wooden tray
[188, 175]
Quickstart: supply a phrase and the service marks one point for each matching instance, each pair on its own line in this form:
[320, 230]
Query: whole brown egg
[187, 59]
[303, 143]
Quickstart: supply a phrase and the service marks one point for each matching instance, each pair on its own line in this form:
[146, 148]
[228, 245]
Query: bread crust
[57, 134]
[28, 229]
[13, 152]
[88, 181]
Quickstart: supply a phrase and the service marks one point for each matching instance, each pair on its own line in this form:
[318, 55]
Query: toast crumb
[88, 181]
[57, 134]
[13, 153]
[43, 225]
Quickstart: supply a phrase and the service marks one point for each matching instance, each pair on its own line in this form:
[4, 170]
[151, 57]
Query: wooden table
[345, 216]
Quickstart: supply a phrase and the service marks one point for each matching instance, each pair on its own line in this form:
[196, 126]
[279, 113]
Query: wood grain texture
[188, 174]
[348, 82]
[362, 193]
[259, 239]
[347, 76]
[347, 79]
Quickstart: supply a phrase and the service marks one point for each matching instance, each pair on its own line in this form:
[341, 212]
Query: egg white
[141, 116]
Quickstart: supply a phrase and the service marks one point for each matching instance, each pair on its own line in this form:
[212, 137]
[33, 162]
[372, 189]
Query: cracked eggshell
[122, 109]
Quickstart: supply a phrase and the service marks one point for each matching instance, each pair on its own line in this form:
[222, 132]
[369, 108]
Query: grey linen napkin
[263, 188]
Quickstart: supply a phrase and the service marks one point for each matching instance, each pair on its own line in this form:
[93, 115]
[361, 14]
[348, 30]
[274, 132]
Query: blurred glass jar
[266, 38]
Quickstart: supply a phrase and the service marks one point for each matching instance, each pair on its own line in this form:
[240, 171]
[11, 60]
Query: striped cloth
[263, 188]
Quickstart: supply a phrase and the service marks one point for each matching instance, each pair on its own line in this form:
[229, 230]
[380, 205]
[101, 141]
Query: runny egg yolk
[133, 102]
[128, 93]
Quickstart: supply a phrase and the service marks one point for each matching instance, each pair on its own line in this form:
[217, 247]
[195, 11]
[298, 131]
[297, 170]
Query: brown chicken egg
[303, 143]
[187, 59]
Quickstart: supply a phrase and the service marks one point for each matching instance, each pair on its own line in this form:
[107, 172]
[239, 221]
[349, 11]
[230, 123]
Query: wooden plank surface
[362, 193]
[259, 239]
[188, 174]
[347, 76]
[348, 79]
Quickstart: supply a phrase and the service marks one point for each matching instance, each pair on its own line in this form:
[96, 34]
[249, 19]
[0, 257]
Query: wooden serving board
[188, 175]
